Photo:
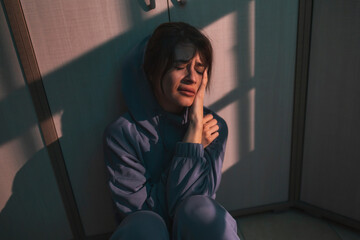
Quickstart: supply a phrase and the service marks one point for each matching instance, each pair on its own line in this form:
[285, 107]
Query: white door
[253, 78]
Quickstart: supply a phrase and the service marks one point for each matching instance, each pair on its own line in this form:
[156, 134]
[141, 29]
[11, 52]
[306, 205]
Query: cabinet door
[331, 164]
[254, 43]
[80, 45]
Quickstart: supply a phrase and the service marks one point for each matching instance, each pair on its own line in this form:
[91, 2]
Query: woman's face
[181, 82]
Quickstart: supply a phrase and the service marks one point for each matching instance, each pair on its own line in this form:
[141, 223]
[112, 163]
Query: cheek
[198, 82]
[172, 81]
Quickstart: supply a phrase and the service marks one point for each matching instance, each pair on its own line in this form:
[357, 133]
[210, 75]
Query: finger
[214, 129]
[205, 77]
[207, 118]
[210, 123]
[204, 80]
[212, 137]
[207, 134]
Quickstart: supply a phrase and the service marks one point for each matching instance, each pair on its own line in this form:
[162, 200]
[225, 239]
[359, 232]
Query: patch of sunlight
[230, 114]
[57, 121]
[49, 137]
[62, 33]
[251, 101]
[223, 36]
[251, 35]
[224, 40]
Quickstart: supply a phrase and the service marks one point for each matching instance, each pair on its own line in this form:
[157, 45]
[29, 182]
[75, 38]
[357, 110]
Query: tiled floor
[292, 225]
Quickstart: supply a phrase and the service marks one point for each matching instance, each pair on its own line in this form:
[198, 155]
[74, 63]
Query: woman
[165, 154]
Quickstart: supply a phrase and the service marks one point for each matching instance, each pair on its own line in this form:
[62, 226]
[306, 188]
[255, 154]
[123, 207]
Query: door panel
[330, 176]
[254, 43]
[80, 46]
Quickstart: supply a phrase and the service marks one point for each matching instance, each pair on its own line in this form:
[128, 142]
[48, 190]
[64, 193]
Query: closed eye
[200, 70]
[180, 64]
[179, 68]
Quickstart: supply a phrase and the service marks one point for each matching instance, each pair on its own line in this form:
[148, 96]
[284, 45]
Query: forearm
[196, 170]
[192, 172]
[193, 133]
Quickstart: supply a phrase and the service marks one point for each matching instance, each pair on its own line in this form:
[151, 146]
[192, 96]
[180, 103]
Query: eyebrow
[198, 64]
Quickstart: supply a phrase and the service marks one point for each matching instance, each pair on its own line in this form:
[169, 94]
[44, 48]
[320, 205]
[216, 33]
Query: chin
[186, 102]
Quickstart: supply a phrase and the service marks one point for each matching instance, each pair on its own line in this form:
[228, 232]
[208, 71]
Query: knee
[147, 216]
[200, 210]
[141, 225]
[201, 217]
[150, 221]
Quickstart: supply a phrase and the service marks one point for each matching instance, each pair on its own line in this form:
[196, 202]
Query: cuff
[189, 149]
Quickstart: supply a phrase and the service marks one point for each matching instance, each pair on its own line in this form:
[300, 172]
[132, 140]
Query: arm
[196, 170]
[202, 129]
[131, 187]
[195, 129]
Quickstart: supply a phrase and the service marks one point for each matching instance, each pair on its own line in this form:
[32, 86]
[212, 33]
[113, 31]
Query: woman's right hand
[195, 130]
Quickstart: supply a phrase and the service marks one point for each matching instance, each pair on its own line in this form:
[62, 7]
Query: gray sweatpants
[197, 217]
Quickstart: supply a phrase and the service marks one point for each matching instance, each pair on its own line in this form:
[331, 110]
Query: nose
[190, 75]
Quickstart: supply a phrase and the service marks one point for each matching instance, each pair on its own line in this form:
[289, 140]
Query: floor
[292, 225]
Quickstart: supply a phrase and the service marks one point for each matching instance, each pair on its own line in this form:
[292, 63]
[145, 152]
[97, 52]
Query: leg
[200, 217]
[142, 225]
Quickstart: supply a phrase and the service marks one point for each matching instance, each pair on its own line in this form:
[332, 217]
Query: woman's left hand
[210, 130]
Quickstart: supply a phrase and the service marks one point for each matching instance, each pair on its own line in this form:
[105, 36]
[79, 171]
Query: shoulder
[121, 129]
[124, 138]
[223, 128]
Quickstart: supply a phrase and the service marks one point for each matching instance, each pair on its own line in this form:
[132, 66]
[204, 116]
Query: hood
[139, 98]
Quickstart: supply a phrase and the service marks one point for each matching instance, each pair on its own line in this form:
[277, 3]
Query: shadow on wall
[34, 209]
[84, 97]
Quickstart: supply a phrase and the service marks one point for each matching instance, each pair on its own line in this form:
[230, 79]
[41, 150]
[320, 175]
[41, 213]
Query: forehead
[185, 52]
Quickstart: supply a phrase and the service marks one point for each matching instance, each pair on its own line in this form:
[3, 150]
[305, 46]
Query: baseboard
[319, 212]
[282, 206]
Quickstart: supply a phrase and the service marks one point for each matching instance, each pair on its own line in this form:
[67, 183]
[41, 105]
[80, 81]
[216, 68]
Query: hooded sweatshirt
[149, 166]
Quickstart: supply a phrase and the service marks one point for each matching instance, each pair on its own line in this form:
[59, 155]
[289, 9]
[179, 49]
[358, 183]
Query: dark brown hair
[159, 54]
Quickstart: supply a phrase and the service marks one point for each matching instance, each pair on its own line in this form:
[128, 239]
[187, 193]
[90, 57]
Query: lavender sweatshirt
[149, 167]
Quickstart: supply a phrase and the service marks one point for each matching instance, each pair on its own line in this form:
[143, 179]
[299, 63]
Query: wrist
[196, 125]
[193, 133]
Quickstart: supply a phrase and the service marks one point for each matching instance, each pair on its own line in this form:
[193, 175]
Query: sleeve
[195, 170]
[131, 187]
